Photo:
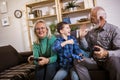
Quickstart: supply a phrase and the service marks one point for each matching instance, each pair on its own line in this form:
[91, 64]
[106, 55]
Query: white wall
[112, 9]
[16, 33]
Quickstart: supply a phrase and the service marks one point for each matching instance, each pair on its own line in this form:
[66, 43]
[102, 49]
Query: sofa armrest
[25, 55]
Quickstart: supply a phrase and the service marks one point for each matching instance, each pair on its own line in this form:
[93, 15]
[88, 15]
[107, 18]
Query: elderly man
[103, 41]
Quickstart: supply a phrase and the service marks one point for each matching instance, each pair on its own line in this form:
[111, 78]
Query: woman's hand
[43, 61]
[30, 61]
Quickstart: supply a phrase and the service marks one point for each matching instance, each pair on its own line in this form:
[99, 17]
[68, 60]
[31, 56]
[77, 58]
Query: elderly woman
[44, 57]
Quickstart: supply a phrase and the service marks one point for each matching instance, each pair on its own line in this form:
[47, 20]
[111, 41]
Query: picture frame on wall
[3, 6]
[5, 21]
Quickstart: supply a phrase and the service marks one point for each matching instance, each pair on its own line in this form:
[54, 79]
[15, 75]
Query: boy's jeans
[62, 73]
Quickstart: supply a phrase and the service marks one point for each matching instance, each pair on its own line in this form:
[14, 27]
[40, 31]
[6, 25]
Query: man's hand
[83, 31]
[102, 53]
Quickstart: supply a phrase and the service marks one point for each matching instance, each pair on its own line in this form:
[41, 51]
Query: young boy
[68, 49]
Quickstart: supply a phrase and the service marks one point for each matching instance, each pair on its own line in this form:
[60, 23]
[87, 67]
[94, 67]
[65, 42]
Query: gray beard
[95, 26]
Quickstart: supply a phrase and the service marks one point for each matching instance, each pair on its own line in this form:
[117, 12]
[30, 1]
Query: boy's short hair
[60, 26]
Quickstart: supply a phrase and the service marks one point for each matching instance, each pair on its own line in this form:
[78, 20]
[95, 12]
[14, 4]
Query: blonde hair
[47, 27]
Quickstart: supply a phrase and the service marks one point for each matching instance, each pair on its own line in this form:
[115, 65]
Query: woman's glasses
[42, 28]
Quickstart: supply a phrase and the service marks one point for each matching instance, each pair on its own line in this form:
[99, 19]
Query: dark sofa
[14, 65]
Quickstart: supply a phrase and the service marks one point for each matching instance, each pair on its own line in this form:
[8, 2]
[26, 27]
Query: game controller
[35, 59]
[96, 49]
[79, 57]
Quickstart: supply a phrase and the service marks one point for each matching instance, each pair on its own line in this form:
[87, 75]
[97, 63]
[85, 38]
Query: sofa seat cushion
[99, 74]
[20, 72]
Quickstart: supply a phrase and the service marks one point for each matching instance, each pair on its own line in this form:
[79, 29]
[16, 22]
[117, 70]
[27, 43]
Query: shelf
[46, 16]
[39, 3]
[80, 10]
[58, 6]
[79, 23]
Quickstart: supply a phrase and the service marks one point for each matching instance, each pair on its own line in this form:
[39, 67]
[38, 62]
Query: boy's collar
[68, 37]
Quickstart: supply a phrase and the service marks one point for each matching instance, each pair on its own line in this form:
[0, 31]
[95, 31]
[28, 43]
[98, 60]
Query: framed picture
[3, 7]
[5, 21]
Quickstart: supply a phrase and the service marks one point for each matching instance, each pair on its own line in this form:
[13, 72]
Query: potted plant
[71, 5]
[53, 27]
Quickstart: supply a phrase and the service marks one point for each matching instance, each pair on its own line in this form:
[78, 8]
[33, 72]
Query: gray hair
[48, 28]
[100, 12]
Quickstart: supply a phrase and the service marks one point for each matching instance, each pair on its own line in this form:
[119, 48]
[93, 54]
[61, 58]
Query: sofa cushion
[99, 74]
[8, 57]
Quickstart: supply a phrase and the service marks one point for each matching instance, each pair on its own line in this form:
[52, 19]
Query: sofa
[14, 65]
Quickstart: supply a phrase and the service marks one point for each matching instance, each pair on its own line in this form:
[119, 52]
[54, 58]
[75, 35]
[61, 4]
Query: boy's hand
[81, 56]
[81, 60]
[67, 42]
[70, 41]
